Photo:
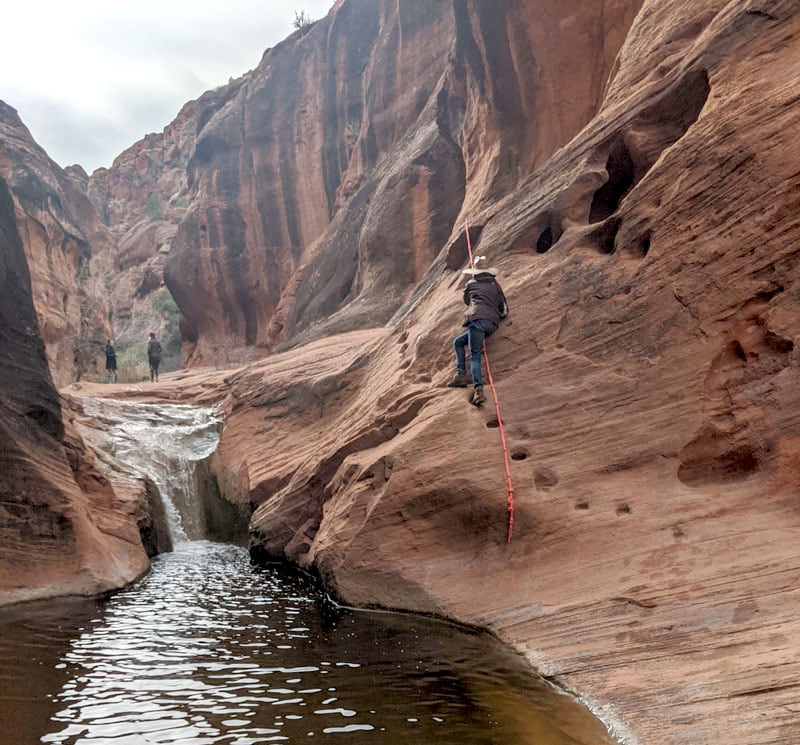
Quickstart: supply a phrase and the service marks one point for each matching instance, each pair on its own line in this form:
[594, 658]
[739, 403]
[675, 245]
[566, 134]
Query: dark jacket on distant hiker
[111, 357]
[153, 355]
[153, 350]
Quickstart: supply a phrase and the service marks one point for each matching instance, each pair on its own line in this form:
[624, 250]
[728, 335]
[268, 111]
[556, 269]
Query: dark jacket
[485, 299]
[154, 349]
[111, 357]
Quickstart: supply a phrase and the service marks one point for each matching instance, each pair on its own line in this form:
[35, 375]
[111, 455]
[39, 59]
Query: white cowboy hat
[483, 270]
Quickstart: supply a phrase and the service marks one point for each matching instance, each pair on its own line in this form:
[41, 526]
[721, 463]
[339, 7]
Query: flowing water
[211, 648]
[162, 443]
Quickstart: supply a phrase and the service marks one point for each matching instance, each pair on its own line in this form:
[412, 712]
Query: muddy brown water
[210, 648]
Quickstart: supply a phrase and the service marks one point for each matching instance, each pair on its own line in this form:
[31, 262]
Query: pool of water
[210, 648]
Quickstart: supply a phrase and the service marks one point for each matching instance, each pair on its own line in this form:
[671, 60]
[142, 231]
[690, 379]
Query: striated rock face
[93, 281]
[64, 242]
[62, 529]
[142, 199]
[649, 378]
[377, 126]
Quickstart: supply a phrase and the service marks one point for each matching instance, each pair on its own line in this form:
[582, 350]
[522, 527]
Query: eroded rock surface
[648, 375]
[62, 528]
[649, 383]
[376, 126]
[142, 199]
[63, 238]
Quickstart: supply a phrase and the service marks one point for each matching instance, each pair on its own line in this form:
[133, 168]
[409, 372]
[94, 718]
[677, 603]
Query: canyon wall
[142, 199]
[377, 126]
[639, 193]
[649, 378]
[62, 528]
[65, 243]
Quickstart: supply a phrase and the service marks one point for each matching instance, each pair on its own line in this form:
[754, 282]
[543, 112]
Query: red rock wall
[377, 126]
[62, 530]
[649, 378]
[142, 199]
[62, 236]
[648, 373]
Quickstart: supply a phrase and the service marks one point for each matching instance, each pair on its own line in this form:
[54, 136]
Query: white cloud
[90, 78]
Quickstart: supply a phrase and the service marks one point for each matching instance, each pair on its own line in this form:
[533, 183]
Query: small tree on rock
[302, 19]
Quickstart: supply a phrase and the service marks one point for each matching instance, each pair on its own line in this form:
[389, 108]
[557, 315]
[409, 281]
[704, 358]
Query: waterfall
[162, 443]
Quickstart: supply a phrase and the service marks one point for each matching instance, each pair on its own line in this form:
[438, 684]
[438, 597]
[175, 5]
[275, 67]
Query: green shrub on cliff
[154, 206]
[302, 19]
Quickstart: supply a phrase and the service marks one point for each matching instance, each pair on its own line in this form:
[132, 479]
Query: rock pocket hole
[778, 343]
[604, 237]
[545, 242]
[540, 235]
[677, 110]
[623, 508]
[643, 245]
[655, 129]
[545, 479]
[620, 169]
[492, 424]
[550, 235]
[713, 457]
[581, 504]
[766, 295]
[519, 454]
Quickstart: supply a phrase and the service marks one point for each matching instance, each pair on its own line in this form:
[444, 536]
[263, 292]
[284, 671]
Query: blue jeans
[476, 332]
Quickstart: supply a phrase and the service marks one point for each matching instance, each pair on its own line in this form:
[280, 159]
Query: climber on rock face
[487, 307]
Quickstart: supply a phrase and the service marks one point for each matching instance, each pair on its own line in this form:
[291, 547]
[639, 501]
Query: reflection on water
[210, 649]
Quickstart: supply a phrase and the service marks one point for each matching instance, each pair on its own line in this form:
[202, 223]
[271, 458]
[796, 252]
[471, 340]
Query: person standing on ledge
[154, 356]
[111, 361]
[487, 306]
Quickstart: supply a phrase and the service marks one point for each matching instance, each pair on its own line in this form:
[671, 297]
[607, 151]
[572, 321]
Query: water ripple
[209, 649]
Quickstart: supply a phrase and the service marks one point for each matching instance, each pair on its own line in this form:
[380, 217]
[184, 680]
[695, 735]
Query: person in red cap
[154, 356]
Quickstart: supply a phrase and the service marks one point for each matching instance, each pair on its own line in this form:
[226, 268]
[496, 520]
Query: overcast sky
[91, 77]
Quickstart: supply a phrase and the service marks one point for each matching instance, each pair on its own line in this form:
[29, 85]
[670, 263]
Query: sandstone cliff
[62, 529]
[648, 375]
[377, 126]
[649, 383]
[65, 244]
[142, 199]
[649, 379]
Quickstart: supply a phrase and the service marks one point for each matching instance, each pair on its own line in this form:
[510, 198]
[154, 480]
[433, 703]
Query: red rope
[497, 409]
